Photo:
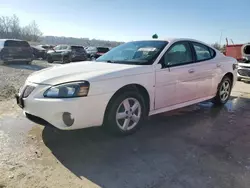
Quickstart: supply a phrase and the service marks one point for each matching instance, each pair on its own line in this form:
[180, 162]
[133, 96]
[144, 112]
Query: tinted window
[202, 52]
[13, 43]
[57, 47]
[64, 47]
[137, 52]
[77, 48]
[102, 50]
[179, 53]
[212, 52]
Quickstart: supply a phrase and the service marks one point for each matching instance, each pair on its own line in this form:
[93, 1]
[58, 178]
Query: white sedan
[132, 81]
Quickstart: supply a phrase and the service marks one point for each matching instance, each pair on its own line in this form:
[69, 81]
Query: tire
[130, 119]
[224, 91]
[49, 59]
[65, 59]
[238, 79]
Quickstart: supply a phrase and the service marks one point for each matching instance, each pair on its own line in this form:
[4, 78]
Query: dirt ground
[193, 147]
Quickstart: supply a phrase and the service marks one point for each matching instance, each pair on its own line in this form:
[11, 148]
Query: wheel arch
[130, 87]
[229, 75]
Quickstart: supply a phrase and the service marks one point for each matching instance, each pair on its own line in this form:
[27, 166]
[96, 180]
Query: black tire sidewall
[110, 120]
[49, 59]
[66, 59]
[218, 98]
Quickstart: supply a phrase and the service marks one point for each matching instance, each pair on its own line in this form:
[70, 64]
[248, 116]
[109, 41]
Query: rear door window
[77, 48]
[202, 52]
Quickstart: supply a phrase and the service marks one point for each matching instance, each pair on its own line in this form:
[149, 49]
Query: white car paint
[168, 88]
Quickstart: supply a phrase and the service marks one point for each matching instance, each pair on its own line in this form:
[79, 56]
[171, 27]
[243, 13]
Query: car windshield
[138, 52]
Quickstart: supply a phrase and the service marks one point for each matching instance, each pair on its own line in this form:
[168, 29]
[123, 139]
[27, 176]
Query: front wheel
[66, 59]
[125, 113]
[224, 91]
[49, 59]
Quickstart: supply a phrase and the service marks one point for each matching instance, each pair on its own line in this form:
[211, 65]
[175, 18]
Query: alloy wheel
[225, 90]
[128, 114]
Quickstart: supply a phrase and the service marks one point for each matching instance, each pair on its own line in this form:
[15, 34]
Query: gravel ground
[13, 76]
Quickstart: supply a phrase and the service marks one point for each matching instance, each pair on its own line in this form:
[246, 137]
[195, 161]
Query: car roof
[3, 40]
[172, 40]
[101, 47]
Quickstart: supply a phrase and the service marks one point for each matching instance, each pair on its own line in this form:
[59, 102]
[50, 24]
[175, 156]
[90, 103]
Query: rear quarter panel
[227, 66]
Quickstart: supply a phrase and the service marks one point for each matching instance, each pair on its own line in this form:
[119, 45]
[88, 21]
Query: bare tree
[10, 28]
[217, 46]
[14, 26]
[5, 23]
[31, 32]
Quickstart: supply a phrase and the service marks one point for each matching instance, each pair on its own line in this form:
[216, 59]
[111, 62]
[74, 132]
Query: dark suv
[95, 52]
[66, 54]
[12, 50]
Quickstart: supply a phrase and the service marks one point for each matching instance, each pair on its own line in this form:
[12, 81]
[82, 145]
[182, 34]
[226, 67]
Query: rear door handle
[191, 71]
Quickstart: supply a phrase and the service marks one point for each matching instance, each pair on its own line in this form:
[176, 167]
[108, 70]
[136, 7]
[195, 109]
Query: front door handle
[191, 71]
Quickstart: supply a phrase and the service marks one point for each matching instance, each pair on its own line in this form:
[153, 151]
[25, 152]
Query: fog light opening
[67, 119]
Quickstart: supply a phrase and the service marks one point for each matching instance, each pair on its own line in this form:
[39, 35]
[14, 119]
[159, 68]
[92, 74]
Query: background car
[95, 52]
[12, 50]
[39, 52]
[66, 54]
[244, 63]
[46, 46]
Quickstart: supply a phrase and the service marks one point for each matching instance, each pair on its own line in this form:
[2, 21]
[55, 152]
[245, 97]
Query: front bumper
[85, 111]
[243, 73]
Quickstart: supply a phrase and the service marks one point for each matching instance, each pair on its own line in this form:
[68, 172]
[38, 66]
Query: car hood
[87, 70]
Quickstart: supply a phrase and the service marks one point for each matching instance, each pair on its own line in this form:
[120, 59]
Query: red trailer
[234, 50]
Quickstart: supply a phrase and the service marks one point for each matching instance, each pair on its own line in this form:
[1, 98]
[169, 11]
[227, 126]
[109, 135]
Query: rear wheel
[125, 113]
[224, 91]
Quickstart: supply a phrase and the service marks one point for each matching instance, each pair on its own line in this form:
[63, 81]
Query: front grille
[244, 72]
[27, 91]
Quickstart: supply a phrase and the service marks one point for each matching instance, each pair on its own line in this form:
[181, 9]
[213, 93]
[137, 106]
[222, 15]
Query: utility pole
[220, 37]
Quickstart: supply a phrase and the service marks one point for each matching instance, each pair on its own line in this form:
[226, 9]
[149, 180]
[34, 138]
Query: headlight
[68, 90]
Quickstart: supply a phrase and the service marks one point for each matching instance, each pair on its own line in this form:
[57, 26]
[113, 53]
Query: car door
[57, 54]
[206, 70]
[175, 82]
